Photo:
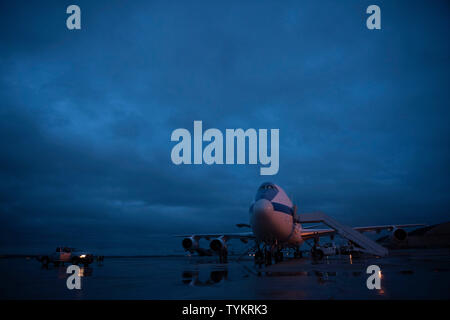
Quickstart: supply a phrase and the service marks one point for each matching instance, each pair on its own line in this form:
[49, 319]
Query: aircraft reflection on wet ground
[214, 276]
[219, 273]
[407, 274]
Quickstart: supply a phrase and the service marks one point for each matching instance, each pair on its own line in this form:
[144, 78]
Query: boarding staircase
[368, 245]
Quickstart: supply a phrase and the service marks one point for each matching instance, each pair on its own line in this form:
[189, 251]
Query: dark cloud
[86, 116]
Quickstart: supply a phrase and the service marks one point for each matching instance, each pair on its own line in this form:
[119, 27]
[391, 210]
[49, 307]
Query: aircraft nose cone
[262, 218]
[262, 208]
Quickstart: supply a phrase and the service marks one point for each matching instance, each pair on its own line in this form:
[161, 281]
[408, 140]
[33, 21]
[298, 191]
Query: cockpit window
[267, 187]
[266, 191]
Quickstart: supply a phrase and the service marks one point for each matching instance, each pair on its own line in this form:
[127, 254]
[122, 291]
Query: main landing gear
[259, 257]
[223, 255]
[297, 253]
[265, 256]
[278, 256]
[316, 252]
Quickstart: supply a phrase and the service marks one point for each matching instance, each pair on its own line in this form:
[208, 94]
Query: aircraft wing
[312, 233]
[387, 227]
[226, 236]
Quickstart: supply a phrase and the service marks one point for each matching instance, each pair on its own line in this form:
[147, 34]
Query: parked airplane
[275, 225]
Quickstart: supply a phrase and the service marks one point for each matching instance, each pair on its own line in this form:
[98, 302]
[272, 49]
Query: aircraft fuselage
[272, 217]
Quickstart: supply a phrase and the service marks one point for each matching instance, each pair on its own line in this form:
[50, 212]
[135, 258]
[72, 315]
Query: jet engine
[190, 243]
[398, 235]
[218, 244]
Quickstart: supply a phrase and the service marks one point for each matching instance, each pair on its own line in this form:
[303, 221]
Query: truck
[328, 249]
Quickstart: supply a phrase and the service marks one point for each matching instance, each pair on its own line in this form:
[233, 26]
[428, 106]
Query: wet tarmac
[408, 274]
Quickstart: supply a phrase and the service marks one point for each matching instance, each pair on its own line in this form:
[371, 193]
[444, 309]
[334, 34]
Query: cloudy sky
[86, 116]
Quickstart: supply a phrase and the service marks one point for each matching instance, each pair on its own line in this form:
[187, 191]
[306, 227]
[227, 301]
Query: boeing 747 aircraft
[275, 225]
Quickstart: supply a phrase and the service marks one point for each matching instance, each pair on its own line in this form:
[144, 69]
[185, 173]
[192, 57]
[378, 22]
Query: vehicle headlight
[83, 256]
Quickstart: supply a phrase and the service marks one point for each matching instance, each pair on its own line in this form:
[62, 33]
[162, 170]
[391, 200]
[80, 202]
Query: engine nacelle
[190, 243]
[399, 235]
[218, 244]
